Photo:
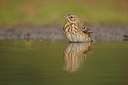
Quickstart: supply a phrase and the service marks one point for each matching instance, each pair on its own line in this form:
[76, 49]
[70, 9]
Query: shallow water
[61, 63]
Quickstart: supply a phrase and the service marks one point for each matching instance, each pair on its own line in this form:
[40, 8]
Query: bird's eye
[71, 16]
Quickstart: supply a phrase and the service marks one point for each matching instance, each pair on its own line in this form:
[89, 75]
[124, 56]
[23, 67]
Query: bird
[75, 30]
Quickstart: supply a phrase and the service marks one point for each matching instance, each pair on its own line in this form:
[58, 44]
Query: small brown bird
[76, 31]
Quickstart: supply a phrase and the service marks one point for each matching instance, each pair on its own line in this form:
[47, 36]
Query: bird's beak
[65, 17]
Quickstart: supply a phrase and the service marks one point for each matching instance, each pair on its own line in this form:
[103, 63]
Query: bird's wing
[83, 27]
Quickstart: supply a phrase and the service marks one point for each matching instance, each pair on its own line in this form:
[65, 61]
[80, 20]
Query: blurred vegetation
[38, 12]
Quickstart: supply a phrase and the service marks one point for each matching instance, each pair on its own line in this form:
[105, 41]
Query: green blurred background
[39, 12]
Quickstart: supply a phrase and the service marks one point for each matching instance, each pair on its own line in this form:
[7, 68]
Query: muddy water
[59, 63]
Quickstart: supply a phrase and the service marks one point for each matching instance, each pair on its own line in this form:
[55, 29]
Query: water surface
[61, 63]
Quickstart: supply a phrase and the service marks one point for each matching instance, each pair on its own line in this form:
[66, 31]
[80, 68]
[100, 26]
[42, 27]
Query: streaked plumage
[76, 31]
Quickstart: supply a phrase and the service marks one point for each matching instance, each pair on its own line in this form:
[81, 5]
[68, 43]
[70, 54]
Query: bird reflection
[74, 55]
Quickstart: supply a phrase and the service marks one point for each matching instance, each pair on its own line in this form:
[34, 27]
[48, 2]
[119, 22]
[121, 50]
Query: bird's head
[72, 18]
